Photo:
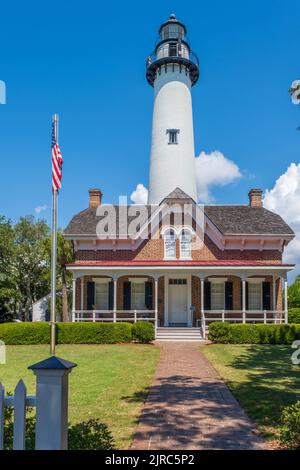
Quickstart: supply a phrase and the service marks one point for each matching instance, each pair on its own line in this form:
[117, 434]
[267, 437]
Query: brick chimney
[255, 198]
[95, 197]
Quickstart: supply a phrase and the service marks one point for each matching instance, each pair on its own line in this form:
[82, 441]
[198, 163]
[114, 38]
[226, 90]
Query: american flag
[57, 162]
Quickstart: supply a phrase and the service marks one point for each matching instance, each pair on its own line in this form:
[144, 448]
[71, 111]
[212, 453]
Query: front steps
[178, 334]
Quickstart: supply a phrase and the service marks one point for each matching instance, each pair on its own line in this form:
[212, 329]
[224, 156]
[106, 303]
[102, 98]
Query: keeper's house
[174, 261]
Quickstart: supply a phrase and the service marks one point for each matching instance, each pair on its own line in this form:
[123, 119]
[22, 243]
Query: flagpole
[54, 253]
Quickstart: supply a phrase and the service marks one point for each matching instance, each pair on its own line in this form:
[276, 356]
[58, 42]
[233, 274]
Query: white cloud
[213, 169]
[40, 209]
[139, 195]
[284, 199]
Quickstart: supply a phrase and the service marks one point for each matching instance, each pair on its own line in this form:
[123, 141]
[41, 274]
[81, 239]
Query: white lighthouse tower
[172, 70]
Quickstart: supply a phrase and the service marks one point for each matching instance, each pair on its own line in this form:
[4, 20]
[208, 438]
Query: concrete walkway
[190, 407]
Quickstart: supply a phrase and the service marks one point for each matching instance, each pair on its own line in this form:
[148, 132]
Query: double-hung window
[185, 244]
[170, 244]
[217, 295]
[254, 295]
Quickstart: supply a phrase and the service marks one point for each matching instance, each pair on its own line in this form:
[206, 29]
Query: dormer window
[170, 244]
[185, 244]
[173, 136]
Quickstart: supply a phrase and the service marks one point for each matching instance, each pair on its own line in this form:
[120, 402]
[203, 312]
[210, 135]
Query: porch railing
[239, 316]
[114, 315]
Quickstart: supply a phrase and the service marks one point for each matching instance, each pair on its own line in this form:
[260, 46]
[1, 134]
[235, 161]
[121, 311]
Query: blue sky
[86, 61]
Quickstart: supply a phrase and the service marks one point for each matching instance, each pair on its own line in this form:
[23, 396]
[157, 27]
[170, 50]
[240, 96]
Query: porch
[177, 297]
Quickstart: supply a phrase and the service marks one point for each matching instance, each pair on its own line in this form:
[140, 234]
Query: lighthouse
[172, 70]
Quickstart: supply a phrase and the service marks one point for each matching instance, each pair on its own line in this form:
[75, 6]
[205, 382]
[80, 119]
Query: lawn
[261, 377]
[109, 383]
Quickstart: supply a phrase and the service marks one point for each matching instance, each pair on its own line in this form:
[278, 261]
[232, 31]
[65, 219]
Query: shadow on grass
[270, 383]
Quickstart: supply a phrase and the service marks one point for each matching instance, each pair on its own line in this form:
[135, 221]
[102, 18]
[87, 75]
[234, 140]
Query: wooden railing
[114, 315]
[239, 316]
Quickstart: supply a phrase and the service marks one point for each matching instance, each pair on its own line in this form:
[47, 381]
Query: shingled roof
[246, 220]
[230, 220]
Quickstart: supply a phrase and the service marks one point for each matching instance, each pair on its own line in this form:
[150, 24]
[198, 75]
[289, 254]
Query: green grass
[110, 381]
[262, 378]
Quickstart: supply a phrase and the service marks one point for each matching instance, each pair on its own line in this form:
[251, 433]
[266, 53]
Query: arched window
[170, 244]
[185, 244]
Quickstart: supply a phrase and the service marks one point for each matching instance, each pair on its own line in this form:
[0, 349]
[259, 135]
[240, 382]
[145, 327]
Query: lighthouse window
[173, 135]
[173, 50]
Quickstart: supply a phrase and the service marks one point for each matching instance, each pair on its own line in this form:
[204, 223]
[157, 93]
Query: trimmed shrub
[294, 315]
[66, 333]
[143, 332]
[250, 333]
[219, 332]
[290, 432]
[25, 333]
[94, 333]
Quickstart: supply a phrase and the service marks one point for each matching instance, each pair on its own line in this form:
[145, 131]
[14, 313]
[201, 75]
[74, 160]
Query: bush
[290, 432]
[94, 333]
[25, 333]
[90, 435]
[87, 435]
[67, 333]
[250, 333]
[143, 332]
[294, 315]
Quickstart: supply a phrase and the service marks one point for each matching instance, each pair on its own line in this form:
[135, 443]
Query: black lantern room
[172, 48]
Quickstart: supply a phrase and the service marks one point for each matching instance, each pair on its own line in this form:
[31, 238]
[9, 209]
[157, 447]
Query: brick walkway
[190, 407]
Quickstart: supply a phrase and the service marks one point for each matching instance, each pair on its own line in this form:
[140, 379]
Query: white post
[202, 295]
[134, 313]
[81, 292]
[265, 316]
[156, 304]
[115, 298]
[94, 316]
[223, 315]
[244, 299]
[1, 417]
[52, 403]
[19, 416]
[274, 297]
[73, 298]
[286, 314]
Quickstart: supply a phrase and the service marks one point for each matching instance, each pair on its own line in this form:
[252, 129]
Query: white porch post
[73, 297]
[156, 303]
[115, 279]
[202, 296]
[81, 292]
[244, 278]
[274, 295]
[285, 299]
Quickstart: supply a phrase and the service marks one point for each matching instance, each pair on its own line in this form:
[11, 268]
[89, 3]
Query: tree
[294, 293]
[65, 255]
[9, 296]
[31, 262]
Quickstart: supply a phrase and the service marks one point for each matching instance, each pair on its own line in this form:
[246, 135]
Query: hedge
[294, 315]
[240, 333]
[75, 333]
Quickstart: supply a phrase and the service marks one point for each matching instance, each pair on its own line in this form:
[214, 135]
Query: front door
[178, 302]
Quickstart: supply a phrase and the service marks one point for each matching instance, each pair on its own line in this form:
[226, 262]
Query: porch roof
[173, 264]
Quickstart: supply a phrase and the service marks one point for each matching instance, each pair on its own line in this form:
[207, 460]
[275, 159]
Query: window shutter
[228, 295]
[111, 295]
[90, 295]
[149, 295]
[207, 296]
[127, 295]
[266, 296]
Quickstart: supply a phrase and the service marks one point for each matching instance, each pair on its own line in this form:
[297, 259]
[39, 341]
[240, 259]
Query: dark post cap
[53, 362]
